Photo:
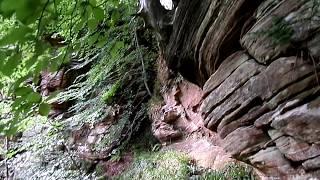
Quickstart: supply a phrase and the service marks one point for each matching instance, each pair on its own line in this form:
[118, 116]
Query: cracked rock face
[258, 66]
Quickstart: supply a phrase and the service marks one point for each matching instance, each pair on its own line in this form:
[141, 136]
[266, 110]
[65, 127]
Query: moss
[231, 171]
[281, 31]
[157, 165]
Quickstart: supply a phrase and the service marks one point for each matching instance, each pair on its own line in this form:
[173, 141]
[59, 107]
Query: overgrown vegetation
[48, 34]
[74, 35]
[165, 165]
[231, 171]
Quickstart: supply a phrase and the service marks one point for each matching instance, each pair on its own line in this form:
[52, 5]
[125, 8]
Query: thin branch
[41, 16]
[142, 63]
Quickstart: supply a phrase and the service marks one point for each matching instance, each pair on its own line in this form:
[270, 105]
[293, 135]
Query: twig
[41, 16]
[142, 63]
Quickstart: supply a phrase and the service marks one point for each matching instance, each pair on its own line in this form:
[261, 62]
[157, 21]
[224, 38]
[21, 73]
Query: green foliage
[97, 34]
[26, 49]
[115, 79]
[231, 171]
[109, 95]
[157, 166]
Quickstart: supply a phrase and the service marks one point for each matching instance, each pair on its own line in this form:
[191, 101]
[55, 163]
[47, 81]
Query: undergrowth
[150, 162]
[157, 165]
[115, 77]
[231, 171]
[164, 165]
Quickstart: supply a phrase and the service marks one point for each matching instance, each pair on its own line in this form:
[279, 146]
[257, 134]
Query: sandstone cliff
[256, 66]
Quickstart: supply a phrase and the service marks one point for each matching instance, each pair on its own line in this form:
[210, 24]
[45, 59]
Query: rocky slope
[256, 65]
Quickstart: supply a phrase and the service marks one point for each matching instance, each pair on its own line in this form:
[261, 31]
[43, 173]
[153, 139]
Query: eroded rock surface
[268, 115]
[258, 66]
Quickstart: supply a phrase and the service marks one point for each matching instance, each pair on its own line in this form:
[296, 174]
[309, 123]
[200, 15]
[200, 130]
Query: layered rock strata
[258, 66]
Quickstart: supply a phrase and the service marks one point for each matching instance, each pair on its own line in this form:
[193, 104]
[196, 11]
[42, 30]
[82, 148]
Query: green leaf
[115, 16]
[44, 109]
[93, 39]
[33, 97]
[31, 62]
[116, 48]
[56, 61]
[13, 129]
[77, 46]
[93, 2]
[3, 56]
[8, 6]
[98, 13]
[18, 82]
[92, 24]
[22, 91]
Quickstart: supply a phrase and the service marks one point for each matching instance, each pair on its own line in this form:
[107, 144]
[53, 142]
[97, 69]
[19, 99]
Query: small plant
[231, 171]
[109, 95]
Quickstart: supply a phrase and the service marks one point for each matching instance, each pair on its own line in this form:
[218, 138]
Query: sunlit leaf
[17, 102]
